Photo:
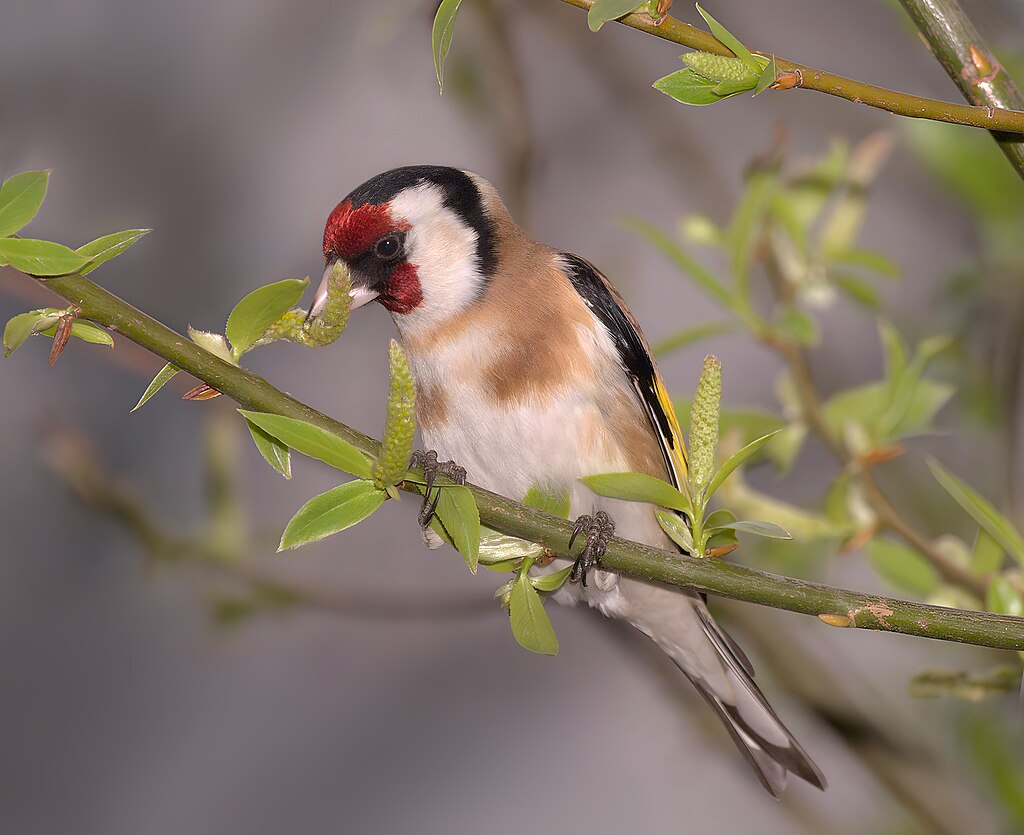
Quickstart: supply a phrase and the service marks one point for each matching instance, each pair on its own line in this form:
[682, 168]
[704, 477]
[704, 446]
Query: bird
[531, 371]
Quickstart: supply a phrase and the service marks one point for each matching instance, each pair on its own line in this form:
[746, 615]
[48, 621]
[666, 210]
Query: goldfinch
[531, 371]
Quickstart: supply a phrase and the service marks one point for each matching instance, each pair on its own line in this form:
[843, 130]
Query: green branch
[991, 117]
[837, 607]
[968, 60]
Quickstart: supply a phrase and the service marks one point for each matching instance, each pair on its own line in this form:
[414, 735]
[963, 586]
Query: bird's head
[419, 240]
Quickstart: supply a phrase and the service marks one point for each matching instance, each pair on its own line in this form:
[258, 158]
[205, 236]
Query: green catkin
[719, 67]
[331, 321]
[294, 326]
[704, 423]
[393, 462]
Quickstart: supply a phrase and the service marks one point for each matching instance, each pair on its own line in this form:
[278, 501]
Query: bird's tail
[723, 675]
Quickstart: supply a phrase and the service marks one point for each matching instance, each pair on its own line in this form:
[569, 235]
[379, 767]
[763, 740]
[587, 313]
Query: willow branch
[990, 117]
[838, 607]
[968, 60]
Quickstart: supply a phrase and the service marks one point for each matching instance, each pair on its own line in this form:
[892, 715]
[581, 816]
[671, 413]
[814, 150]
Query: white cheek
[443, 250]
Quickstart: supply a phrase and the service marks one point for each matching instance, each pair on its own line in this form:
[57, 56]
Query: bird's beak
[360, 294]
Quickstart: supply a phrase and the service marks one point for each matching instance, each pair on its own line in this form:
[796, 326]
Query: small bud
[61, 337]
[391, 465]
[657, 10]
[984, 67]
[201, 392]
[788, 80]
[719, 67]
[704, 423]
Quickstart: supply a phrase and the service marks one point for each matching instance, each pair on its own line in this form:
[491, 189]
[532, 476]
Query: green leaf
[500, 552]
[159, 381]
[903, 377]
[981, 510]
[766, 529]
[865, 405]
[902, 568]
[735, 460]
[21, 327]
[894, 350]
[530, 624]
[86, 331]
[799, 326]
[720, 538]
[605, 10]
[987, 556]
[719, 518]
[682, 260]
[457, 513]
[746, 229]
[729, 40]
[1003, 598]
[858, 290]
[276, 453]
[20, 199]
[109, 246]
[688, 336]
[686, 87]
[637, 487]
[551, 582]
[260, 309]
[332, 512]
[867, 258]
[555, 505]
[441, 36]
[312, 441]
[42, 258]
[677, 529]
[767, 77]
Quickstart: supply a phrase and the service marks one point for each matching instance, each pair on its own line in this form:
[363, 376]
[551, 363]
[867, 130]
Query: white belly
[511, 450]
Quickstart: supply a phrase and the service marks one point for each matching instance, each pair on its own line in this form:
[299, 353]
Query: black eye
[388, 247]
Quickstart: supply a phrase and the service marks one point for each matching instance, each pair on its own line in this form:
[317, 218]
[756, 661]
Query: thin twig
[71, 458]
[838, 606]
[811, 78]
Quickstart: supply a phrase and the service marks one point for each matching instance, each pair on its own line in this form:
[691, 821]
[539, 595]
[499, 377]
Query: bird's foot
[599, 529]
[427, 459]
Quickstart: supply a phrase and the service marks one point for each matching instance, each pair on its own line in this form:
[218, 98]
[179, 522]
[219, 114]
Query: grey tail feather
[770, 762]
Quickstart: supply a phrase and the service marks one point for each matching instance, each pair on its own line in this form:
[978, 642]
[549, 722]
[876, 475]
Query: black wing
[635, 355]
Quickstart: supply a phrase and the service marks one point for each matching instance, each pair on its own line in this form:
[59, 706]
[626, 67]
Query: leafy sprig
[697, 532]
[21, 198]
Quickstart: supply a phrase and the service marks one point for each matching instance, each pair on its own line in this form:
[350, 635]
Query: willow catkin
[393, 461]
[719, 67]
[333, 318]
[295, 326]
[704, 416]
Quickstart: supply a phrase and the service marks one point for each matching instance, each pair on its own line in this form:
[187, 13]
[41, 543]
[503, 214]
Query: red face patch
[403, 292]
[350, 232]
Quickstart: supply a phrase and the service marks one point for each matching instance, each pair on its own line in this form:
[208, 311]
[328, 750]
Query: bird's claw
[599, 529]
[427, 459]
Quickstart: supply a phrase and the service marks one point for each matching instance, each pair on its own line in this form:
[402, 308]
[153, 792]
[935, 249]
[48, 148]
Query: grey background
[232, 128]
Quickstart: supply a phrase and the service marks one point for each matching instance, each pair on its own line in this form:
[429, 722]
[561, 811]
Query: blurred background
[365, 684]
